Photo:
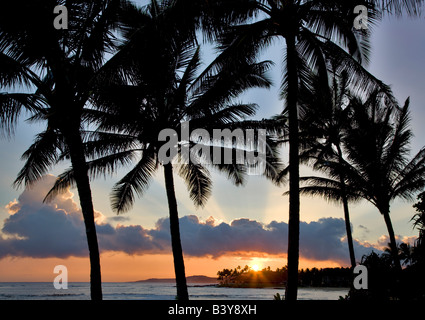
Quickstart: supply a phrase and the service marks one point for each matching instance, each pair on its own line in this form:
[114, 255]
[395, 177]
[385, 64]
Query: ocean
[153, 291]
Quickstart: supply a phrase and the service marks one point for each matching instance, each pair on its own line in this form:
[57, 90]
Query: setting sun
[255, 267]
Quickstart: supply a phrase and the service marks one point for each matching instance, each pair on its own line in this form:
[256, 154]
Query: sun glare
[255, 267]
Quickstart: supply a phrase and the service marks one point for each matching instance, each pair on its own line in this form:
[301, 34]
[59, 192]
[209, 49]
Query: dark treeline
[314, 277]
[384, 280]
[248, 278]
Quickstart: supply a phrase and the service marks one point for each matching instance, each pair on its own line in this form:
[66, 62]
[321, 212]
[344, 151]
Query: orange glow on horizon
[120, 267]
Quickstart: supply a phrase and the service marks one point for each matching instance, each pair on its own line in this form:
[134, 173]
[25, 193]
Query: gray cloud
[56, 229]
[119, 218]
[319, 240]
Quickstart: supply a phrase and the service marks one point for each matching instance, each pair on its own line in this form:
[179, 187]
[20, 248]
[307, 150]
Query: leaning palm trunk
[84, 192]
[179, 268]
[346, 211]
[348, 225]
[294, 174]
[393, 243]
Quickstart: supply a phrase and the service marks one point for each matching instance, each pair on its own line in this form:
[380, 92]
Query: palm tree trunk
[348, 229]
[294, 172]
[393, 243]
[346, 211]
[179, 268]
[79, 165]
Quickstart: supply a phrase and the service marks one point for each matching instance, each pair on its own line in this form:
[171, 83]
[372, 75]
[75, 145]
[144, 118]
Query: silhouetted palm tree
[153, 87]
[323, 118]
[309, 29]
[419, 219]
[58, 66]
[418, 253]
[378, 168]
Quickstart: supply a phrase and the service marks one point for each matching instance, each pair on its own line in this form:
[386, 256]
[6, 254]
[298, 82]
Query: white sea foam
[153, 291]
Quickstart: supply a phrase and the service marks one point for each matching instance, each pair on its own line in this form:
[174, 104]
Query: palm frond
[190, 73]
[15, 73]
[399, 7]
[198, 181]
[12, 105]
[326, 188]
[274, 170]
[42, 155]
[136, 181]
[103, 166]
[219, 89]
[63, 183]
[229, 117]
[394, 155]
[333, 21]
[100, 144]
[305, 74]
[361, 82]
[100, 39]
[411, 179]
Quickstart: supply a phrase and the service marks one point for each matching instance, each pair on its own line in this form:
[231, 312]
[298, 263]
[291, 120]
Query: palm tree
[375, 137]
[154, 88]
[419, 219]
[377, 167]
[322, 126]
[323, 122]
[58, 66]
[419, 248]
[309, 29]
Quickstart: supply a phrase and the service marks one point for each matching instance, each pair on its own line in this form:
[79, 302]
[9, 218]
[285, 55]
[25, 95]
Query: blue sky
[398, 51]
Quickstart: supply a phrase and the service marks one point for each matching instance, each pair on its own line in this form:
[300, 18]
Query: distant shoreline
[190, 279]
[201, 281]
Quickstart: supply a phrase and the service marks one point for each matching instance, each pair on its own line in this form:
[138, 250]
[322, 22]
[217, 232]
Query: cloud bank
[39, 230]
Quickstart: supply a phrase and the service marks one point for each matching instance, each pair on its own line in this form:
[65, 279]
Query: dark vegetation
[248, 278]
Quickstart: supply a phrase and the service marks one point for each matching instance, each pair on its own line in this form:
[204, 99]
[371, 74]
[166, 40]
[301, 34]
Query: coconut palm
[309, 29]
[322, 127]
[419, 248]
[419, 219]
[377, 149]
[324, 119]
[375, 166]
[57, 67]
[149, 93]
[374, 136]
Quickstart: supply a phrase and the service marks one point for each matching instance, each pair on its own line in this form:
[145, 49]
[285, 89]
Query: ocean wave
[212, 295]
[64, 295]
[130, 291]
[126, 294]
[38, 296]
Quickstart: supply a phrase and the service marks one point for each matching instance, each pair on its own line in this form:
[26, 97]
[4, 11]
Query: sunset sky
[238, 226]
